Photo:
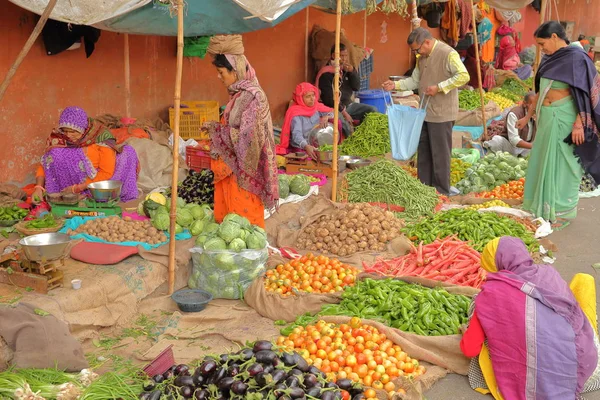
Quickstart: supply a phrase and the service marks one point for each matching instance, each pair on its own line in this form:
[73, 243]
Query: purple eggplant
[266, 357]
[296, 393]
[296, 372]
[328, 396]
[356, 389]
[262, 345]
[144, 396]
[239, 388]
[158, 378]
[168, 375]
[225, 383]
[288, 359]
[155, 395]
[184, 380]
[301, 363]
[255, 369]
[310, 381]
[247, 354]
[314, 392]
[358, 396]
[279, 376]
[316, 371]
[269, 369]
[263, 379]
[149, 386]
[207, 368]
[198, 380]
[292, 381]
[344, 384]
[284, 396]
[223, 358]
[181, 369]
[233, 370]
[202, 394]
[186, 391]
[217, 375]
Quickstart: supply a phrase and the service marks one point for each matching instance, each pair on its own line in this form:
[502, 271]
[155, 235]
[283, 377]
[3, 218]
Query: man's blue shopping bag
[405, 125]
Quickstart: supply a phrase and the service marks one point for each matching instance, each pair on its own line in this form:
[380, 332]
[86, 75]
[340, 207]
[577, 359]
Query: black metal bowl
[191, 300]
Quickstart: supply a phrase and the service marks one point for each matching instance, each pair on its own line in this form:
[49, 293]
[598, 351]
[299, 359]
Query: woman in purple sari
[532, 337]
[82, 151]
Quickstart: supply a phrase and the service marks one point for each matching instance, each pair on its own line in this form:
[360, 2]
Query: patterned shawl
[96, 133]
[572, 66]
[245, 142]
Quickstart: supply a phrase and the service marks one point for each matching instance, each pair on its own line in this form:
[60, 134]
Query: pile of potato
[115, 229]
[357, 227]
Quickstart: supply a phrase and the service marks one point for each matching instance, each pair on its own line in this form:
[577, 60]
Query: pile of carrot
[449, 260]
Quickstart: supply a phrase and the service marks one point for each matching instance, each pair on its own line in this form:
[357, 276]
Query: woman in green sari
[568, 117]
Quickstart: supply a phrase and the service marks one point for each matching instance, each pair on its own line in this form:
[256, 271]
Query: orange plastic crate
[196, 158]
[191, 117]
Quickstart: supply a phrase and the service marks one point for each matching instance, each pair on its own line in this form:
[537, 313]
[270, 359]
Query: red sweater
[473, 339]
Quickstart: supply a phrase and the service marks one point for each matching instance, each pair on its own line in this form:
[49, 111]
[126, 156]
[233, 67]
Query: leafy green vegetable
[161, 221]
[300, 185]
[184, 217]
[197, 227]
[238, 219]
[215, 243]
[237, 245]
[229, 230]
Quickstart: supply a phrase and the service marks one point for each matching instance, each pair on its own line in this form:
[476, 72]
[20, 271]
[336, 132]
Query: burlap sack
[12, 191]
[474, 117]
[470, 199]
[501, 76]
[321, 41]
[39, 341]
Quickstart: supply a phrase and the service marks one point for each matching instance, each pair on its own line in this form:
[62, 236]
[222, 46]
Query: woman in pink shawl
[508, 59]
[533, 339]
[301, 118]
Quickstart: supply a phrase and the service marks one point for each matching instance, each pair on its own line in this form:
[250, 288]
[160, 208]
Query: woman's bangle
[39, 187]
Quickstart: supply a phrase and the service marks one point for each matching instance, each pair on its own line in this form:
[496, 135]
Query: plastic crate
[161, 363]
[191, 117]
[196, 158]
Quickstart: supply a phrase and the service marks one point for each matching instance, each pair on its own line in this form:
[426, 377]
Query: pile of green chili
[371, 138]
[408, 307]
[386, 182]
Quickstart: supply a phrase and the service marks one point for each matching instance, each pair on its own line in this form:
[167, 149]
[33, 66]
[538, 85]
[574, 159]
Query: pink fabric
[299, 109]
[506, 52]
[328, 69]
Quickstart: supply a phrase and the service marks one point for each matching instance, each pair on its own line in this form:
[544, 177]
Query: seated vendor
[303, 115]
[513, 140]
[508, 59]
[82, 151]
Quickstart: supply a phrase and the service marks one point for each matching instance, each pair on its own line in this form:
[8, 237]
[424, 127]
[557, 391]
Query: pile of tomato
[353, 351]
[312, 274]
[510, 190]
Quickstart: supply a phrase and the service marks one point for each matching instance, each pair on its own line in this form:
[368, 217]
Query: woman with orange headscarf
[306, 113]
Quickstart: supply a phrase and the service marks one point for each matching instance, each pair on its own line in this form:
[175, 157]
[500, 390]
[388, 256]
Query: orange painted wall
[44, 85]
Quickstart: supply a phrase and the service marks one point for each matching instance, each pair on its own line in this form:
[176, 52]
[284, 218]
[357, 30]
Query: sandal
[560, 224]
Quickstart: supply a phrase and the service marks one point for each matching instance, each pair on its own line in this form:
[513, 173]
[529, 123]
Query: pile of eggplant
[257, 373]
[197, 187]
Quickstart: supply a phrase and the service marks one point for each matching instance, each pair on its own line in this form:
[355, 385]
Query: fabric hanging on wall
[508, 5]
[60, 36]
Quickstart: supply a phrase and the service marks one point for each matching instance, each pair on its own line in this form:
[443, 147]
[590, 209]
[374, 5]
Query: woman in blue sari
[568, 118]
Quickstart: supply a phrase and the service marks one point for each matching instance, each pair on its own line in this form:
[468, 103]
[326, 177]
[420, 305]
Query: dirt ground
[578, 251]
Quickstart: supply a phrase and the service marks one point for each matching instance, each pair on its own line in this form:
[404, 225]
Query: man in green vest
[438, 75]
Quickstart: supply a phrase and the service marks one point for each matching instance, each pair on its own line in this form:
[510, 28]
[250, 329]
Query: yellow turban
[488, 257]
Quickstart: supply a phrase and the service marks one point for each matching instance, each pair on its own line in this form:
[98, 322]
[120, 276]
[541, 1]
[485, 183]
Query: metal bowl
[345, 158]
[357, 163]
[191, 300]
[45, 246]
[104, 191]
[325, 155]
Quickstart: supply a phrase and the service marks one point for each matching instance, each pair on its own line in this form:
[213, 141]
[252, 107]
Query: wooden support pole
[127, 76]
[32, 38]
[336, 99]
[538, 51]
[306, 44]
[178, 76]
[479, 80]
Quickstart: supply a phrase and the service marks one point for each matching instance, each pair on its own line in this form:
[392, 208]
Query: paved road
[578, 248]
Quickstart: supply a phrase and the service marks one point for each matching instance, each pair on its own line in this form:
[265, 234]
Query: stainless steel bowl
[325, 156]
[357, 163]
[45, 246]
[345, 158]
[104, 191]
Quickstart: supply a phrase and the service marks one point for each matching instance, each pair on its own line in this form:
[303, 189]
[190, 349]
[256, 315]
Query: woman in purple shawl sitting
[531, 336]
[82, 151]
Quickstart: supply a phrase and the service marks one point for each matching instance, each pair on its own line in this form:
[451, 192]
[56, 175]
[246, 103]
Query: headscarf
[299, 109]
[245, 141]
[93, 132]
[506, 52]
[484, 31]
[488, 257]
[531, 319]
[572, 66]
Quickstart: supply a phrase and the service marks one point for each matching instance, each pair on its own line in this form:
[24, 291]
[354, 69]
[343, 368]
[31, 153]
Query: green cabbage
[229, 230]
[197, 212]
[184, 217]
[197, 227]
[284, 186]
[212, 227]
[178, 229]
[225, 261]
[215, 243]
[161, 221]
[208, 212]
[256, 241]
[200, 240]
[212, 281]
[237, 245]
[192, 283]
[238, 219]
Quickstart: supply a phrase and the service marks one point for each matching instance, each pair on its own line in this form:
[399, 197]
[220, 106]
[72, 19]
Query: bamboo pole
[336, 99]
[178, 76]
[479, 80]
[127, 76]
[306, 44]
[32, 38]
[538, 51]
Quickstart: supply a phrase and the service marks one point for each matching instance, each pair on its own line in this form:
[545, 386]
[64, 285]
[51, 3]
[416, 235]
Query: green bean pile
[470, 226]
[468, 100]
[386, 182]
[371, 138]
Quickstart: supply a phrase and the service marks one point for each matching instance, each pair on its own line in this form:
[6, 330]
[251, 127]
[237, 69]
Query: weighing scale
[85, 207]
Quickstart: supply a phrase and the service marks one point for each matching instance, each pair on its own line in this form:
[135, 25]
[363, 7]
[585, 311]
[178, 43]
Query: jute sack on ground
[474, 117]
[470, 199]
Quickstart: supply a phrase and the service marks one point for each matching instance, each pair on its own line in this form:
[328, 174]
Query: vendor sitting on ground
[531, 336]
[349, 83]
[508, 59]
[82, 151]
[513, 140]
[305, 114]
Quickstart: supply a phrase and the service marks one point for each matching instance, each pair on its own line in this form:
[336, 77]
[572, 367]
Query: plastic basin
[191, 300]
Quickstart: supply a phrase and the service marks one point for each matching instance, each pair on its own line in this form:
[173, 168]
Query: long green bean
[386, 182]
[371, 138]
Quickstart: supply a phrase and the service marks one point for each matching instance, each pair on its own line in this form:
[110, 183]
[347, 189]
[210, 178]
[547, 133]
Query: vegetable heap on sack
[197, 218]
[197, 188]
[354, 352]
[500, 100]
[357, 227]
[114, 229]
[235, 234]
[449, 260]
[13, 213]
[510, 190]
[293, 184]
[408, 307]
[475, 227]
[458, 169]
[254, 373]
[488, 204]
[493, 170]
[310, 274]
[371, 138]
[468, 100]
[517, 87]
[386, 182]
